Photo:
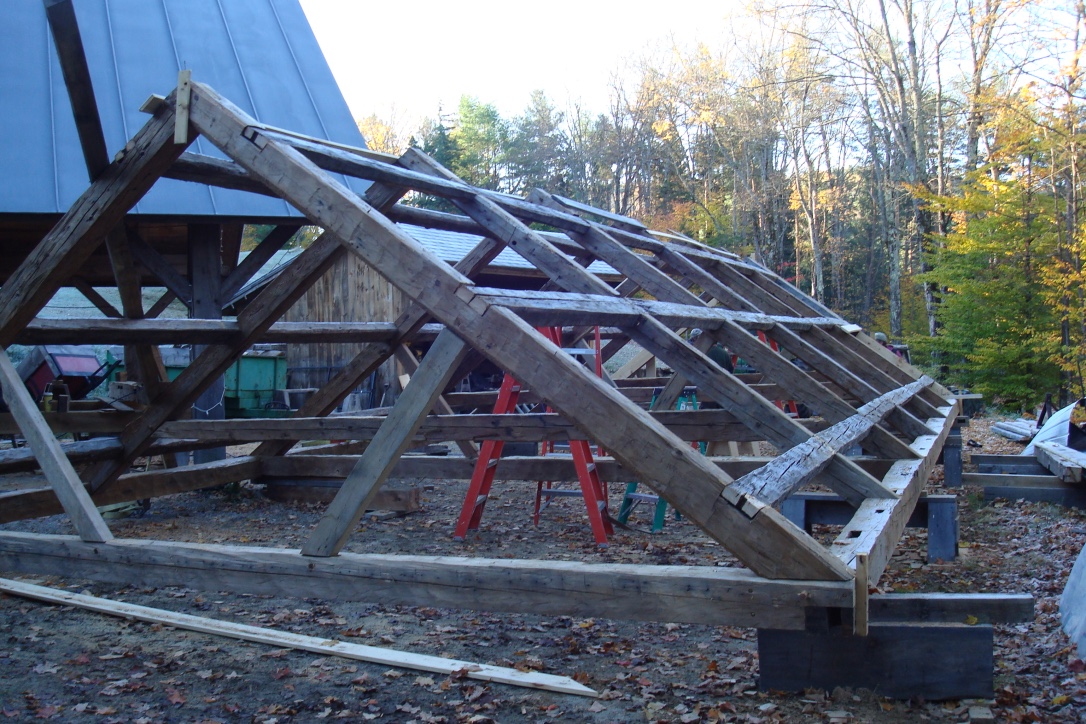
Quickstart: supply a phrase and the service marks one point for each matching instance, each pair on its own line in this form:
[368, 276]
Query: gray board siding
[261, 54]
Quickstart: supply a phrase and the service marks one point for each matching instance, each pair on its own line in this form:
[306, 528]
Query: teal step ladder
[687, 401]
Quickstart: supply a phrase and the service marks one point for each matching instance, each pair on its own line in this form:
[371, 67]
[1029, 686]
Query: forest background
[915, 165]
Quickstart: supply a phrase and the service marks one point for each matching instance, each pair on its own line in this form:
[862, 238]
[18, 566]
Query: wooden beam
[96, 450]
[547, 467]
[391, 440]
[160, 304]
[66, 484]
[889, 364]
[99, 422]
[554, 308]
[313, 644]
[211, 171]
[205, 276]
[793, 468]
[38, 502]
[756, 412]
[1065, 463]
[206, 332]
[691, 425]
[77, 79]
[821, 361]
[91, 294]
[158, 266]
[985, 608]
[682, 594]
[877, 525]
[1011, 480]
[799, 385]
[684, 266]
[272, 242]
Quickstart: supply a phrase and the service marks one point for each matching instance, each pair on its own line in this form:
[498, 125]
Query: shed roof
[261, 52]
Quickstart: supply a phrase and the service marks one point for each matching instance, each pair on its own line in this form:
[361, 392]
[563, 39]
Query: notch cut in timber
[865, 398]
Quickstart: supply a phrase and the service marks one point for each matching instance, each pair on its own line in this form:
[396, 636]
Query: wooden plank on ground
[60, 473]
[272, 637]
[680, 594]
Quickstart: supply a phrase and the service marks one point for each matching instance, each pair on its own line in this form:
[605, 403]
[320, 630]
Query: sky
[403, 60]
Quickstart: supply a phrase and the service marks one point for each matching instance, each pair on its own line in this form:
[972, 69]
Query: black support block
[900, 661]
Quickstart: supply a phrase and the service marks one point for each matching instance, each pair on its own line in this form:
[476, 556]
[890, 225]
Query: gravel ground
[67, 664]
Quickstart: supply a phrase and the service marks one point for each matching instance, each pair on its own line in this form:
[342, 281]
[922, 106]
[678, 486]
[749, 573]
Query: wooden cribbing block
[942, 527]
[952, 461]
[901, 661]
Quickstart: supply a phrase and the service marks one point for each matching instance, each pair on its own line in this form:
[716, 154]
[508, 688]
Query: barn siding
[350, 291]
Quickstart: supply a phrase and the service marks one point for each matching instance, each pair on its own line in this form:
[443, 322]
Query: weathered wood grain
[683, 594]
[1065, 463]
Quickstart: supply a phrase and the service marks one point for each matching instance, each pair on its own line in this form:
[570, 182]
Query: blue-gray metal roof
[261, 54]
[452, 246]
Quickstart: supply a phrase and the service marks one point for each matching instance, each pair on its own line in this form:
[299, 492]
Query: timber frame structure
[863, 393]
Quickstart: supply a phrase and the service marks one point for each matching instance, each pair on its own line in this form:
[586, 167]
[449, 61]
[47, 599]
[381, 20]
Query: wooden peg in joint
[184, 99]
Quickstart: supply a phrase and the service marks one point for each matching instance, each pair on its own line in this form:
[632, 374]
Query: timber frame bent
[865, 396]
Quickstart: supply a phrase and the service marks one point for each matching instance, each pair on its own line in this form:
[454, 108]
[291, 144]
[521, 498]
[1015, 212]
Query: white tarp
[1054, 429]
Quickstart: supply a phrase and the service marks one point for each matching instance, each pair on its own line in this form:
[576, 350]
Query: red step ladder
[593, 490]
[486, 464]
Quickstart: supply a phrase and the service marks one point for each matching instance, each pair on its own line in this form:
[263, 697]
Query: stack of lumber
[1020, 430]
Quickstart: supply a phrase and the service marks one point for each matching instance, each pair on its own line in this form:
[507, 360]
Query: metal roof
[449, 246]
[452, 246]
[261, 54]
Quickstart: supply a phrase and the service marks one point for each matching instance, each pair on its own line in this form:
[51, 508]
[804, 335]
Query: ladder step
[557, 493]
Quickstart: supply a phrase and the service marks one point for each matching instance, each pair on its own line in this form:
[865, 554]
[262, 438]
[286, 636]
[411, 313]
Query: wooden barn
[874, 433]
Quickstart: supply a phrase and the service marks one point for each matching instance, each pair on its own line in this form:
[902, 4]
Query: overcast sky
[415, 56]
